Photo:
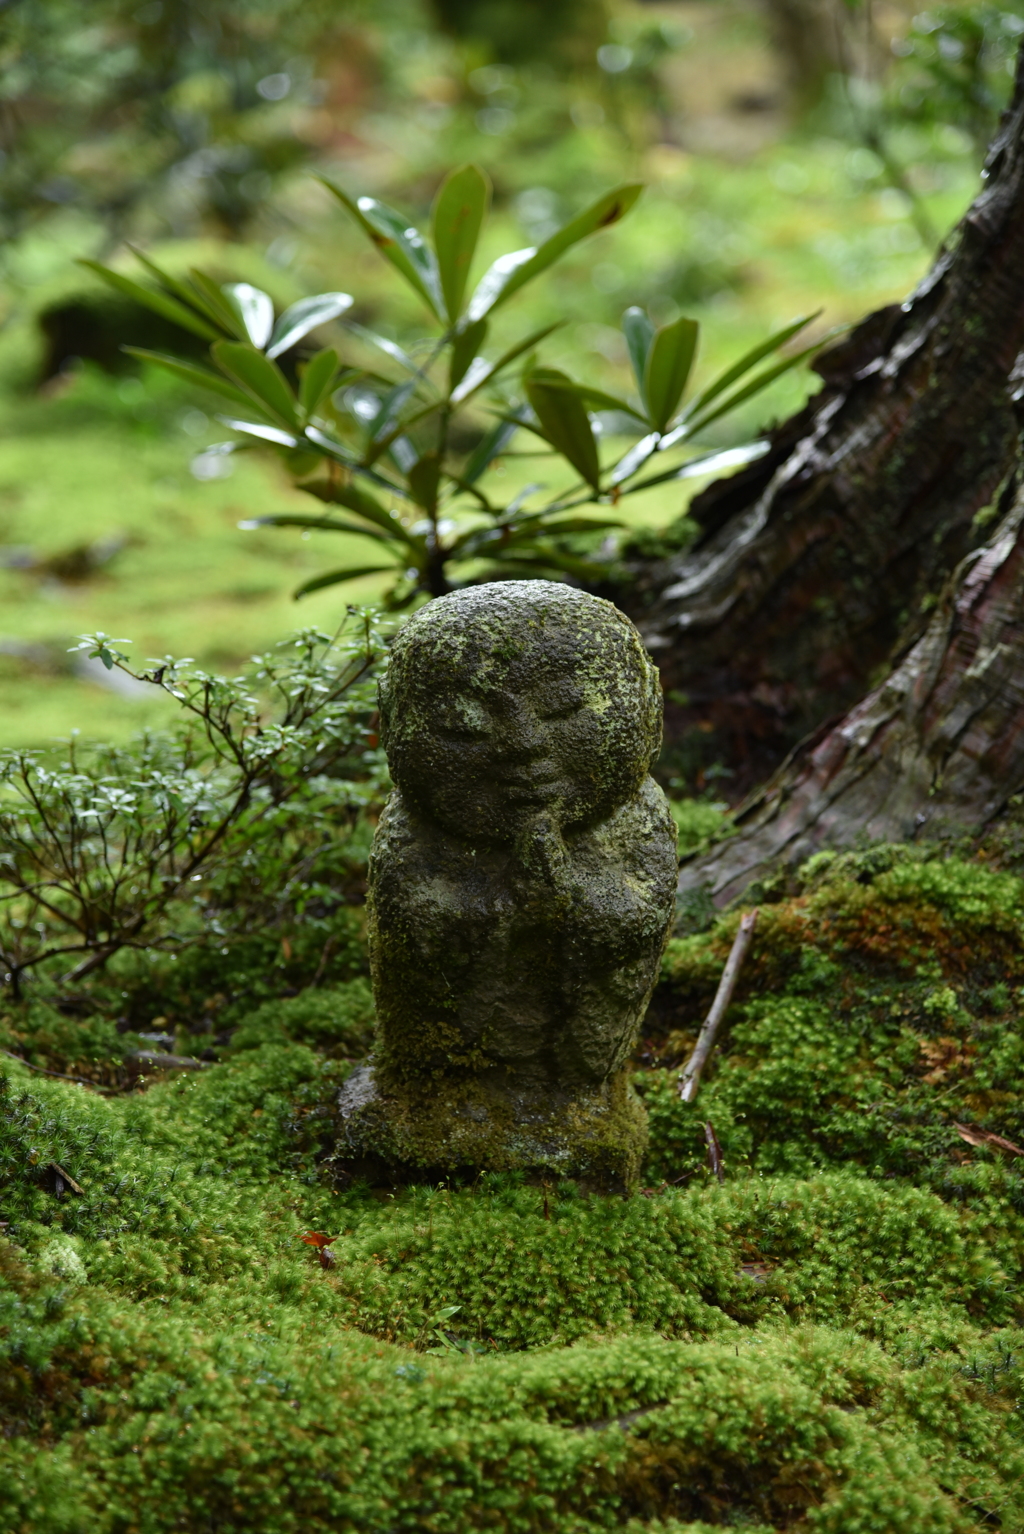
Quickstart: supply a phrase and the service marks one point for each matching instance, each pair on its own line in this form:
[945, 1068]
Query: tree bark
[937, 748]
[815, 566]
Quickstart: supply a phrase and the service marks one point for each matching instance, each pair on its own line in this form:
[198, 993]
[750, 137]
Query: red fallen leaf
[318, 1239]
[975, 1136]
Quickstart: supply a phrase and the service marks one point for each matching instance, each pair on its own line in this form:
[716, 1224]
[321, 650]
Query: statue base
[392, 1134]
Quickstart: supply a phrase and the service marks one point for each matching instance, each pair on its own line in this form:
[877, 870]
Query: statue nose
[520, 735]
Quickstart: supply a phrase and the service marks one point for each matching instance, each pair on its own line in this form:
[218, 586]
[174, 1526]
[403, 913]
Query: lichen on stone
[521, 885]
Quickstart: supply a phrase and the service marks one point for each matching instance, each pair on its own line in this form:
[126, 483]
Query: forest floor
[828, 1339]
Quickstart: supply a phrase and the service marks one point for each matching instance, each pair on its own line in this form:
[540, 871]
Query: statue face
[492, 757]
[503, 709]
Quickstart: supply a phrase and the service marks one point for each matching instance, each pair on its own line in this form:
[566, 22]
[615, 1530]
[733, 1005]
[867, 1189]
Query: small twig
[156, 1059]
[59, 1074]
[689, 1076]
[716, 1161]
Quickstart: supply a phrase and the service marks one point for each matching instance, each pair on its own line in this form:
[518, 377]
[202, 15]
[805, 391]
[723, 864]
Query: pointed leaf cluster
[373, 437]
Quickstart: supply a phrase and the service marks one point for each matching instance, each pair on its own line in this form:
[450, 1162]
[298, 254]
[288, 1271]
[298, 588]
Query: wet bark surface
[814, 567]
[936, 749]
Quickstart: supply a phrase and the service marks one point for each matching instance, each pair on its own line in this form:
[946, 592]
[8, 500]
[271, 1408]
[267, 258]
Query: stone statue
[522, 882]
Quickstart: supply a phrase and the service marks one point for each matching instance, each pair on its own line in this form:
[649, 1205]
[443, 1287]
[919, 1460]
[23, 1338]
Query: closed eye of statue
[458, 729]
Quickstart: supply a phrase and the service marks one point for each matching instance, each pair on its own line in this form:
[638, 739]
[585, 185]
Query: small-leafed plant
[387, 444]
[198, 833]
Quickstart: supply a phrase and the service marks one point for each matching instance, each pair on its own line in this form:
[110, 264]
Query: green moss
[57, 1041]
[828, 1341]
[340, 1018]
[696, 821]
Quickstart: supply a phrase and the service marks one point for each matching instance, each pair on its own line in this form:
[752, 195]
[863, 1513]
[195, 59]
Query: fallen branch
[975, 1136]
[689, 1076]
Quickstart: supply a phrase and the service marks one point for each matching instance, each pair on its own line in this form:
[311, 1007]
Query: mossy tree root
[937, 749]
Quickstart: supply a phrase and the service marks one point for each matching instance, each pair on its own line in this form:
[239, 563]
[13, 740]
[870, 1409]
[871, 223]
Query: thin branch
[689, 1076]
[81, 1081]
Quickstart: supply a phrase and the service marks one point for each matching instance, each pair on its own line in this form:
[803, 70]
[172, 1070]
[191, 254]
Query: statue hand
[541, 854]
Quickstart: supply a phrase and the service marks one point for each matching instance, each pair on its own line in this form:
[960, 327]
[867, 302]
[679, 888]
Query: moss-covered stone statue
[521, 885]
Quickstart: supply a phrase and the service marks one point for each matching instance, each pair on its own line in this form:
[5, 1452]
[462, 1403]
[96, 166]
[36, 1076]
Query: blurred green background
[798, 154]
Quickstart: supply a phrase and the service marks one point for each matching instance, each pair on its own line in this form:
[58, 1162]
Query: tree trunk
[807, 36]
[937, 748]
[816, 565]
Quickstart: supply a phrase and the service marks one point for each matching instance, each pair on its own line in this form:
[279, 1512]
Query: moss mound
[828, 1341]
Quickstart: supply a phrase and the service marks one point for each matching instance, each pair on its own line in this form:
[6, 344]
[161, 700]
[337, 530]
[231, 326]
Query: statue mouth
[531, 790]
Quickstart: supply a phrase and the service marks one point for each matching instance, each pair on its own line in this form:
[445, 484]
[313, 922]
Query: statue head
[518, 698]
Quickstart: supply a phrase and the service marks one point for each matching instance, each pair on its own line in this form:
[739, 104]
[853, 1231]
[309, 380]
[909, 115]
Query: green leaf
[389, 348]
[457, 217]
[218, 304]
[597, 399]
[636, 457]
[390, 424]
[477, 380]
[356, 499]
[264, 433]
[724, 458]
[330, 448]
[748, 360]
[566, 525]
[399, 243]
[160, 303]
[757, 383]
[255, 310]
[302, 317]
[192, 373]
[317, 379]
[510, 272]
[466, 345]
[564, 421]
[669, 364]
[492, 542]
[423, 479]
[706, 463]
[542, 557]
[491, 447]
[258, 376]
[639, 333]
[336, 577]
[186, 291]
[315, 524]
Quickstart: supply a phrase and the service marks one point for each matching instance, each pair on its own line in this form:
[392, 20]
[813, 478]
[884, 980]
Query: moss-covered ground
[830, 1339]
